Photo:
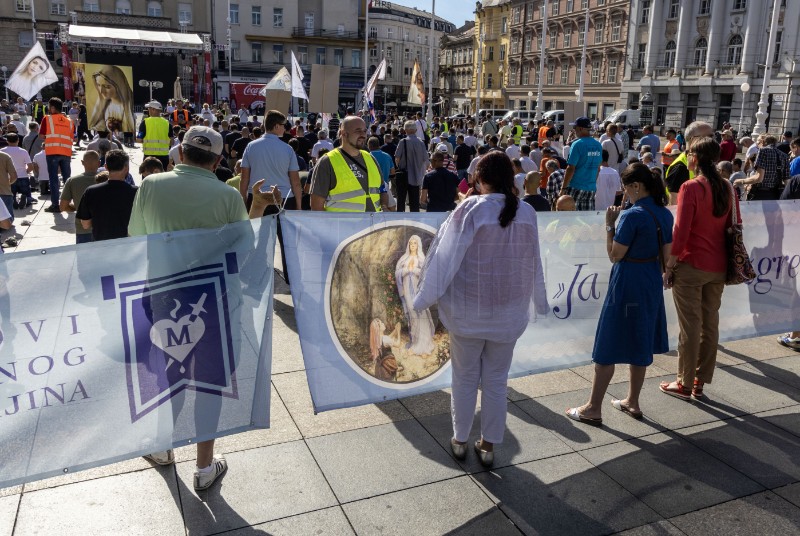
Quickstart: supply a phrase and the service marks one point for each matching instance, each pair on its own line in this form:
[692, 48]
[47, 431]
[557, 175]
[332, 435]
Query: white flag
[282, 81]
[32, 74]
[416, 93]
[297, 80]
[379, 74]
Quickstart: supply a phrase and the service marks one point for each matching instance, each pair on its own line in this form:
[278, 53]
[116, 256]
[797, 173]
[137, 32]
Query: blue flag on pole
[124, 347]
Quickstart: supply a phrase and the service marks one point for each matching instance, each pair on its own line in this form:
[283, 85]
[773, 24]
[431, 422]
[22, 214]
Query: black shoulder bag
[401, 174]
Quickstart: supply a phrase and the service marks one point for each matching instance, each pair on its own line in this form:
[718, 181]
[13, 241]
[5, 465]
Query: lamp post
[152, 84]
[530, 98]
[385, 97]
[745, 87]
[5, 70]
[761, 115]
[542, 56]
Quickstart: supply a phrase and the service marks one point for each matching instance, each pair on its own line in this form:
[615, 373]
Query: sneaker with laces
[165, 457]
[203, 480]
[789, 342]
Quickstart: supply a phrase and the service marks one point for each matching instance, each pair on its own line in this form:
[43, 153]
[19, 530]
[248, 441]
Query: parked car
[626, 117]
[496, 113]
[557, 117]
[523, 115]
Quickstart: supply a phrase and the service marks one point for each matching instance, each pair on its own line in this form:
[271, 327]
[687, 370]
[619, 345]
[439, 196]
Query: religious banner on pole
[416, 92]
[109, 97]
[33, 73]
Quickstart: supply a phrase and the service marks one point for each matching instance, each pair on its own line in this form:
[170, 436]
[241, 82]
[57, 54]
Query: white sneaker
[165, 457]
[205, 480]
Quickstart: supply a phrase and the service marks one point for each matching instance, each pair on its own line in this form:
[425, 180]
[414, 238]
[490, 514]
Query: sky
[455, 11]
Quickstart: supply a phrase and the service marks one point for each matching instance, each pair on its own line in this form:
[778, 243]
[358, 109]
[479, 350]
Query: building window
[154, 9]
[674, 9]
[490, 55]
[277, 53]
[373, 32]
[302, 52]
[338, 57]
[616, 30]
[705, 7]
[234, 13]
[255, 15]
[564, 74]
[567, 37]
[612, 71]
[700, 51]
[570, 6]
[691, 108]
[739, 5]
[645, 18]
[528, 41]
[556, 7]
[526, 75]
[514, 45]
[321, 53]
[661, 108]
[529, 12]
[407, 54]
[641, 55]
[669, 55]
[598, 32]
[91, 6]
[595, 71]
[778, 38]
[373, 53]
[24, 6]
[59, 7]
[489, 81]
[236, 47]
[601, 2]
[390, 33]
[185, 13]
[734, 56]
[255, 52]
[553, 39]
[581, 36]
[724, 113]
[516, 15]
[542, 7]
[551, 74]
[512, 77]
[502, 52]
[277, 17]
[504, 25]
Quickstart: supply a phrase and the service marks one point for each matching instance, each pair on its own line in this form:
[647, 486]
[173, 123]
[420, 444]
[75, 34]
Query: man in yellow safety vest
[154, 134]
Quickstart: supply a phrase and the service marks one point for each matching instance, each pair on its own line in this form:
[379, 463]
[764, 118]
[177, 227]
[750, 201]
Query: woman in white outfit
[407, 274]
[482, 269]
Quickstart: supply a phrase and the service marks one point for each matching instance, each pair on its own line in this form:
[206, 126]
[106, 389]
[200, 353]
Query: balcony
[271, 67]
[727, 70]
[127, 21]
[695, 71]
[326, 34]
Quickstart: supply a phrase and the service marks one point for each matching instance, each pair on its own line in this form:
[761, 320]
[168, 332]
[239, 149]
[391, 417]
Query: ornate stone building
[490, 43]
[692, 57]
[456, 69]
[564, 37]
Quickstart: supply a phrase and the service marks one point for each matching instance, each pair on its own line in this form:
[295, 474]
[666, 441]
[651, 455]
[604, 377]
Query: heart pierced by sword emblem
[177, 337]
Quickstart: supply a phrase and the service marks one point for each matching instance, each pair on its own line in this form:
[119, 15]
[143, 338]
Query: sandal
[675, 389]
[11, 242]
[697, 389]
[626, 409]
[575, 415]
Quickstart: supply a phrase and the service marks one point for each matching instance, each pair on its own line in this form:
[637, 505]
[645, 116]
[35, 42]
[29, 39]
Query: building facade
[149, 60]
[455, 69]
[264, 33]
[491, 45]
[563, 48]
[693, 56]
[402, 36]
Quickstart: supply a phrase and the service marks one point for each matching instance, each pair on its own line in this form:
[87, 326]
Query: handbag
[401, 174]
[740, 269]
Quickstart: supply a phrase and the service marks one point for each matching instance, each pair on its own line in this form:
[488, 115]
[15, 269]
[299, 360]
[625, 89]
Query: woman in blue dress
[633, 323]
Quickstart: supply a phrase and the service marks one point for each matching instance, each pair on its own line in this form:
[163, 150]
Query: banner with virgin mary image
[109, 97]
[32, 74]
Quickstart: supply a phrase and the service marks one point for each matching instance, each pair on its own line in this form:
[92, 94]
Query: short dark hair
[606, 156]
[116, 160]
[795, 142]
[273, 119]
[198, 157]
[151, 164]
[56, 103]
[12, 137]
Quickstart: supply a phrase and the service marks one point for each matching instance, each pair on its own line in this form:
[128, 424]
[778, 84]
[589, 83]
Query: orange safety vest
[58, 140]
[667, 157]
[185, 117]
[543, 133]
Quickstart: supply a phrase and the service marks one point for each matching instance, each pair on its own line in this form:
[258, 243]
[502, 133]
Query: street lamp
[385, 97]
[151, 84]
[745, 87]
[530, 98]
[5, 70]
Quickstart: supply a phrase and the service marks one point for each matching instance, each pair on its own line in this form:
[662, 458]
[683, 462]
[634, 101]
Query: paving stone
[671, 412]
[127, 466]
[457, 506]
[525, 440]
[756, 348]
[287, 355]
[785, 418]
[549, 411]
[620, 374]
[746, 387]
[282, 429]
[791, 493]
[8, 513]
[669, 474]
[434, 403]
[145, 502]
[763, 452]
[783, 369]
[381, 459]
[546, 383]
[762, 513]
[11, 490]
[659, 528]
[293, 390]
[260, 485]
[564, 495]
[327, 522]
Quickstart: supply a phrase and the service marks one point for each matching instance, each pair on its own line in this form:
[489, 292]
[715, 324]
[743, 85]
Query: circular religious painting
[370, 291]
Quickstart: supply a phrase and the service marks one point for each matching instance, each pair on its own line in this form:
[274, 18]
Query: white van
[626, 117]
[496, 113]
[557, 117]
[523, 115]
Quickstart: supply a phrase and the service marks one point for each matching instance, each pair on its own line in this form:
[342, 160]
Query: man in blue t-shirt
[585, 155]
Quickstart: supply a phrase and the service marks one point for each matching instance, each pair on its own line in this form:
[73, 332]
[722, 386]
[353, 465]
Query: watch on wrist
[609, 228]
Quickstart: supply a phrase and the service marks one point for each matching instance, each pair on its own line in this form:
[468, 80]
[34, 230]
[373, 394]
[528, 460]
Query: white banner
[297, 80]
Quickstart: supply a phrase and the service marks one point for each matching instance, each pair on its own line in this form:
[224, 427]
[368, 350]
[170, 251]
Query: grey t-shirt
[324, 179]
[412, 157]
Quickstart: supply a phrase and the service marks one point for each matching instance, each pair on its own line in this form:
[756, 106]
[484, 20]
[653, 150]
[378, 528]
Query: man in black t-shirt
[439, 187]
[463, 156]
[106, 208]
[232, 136]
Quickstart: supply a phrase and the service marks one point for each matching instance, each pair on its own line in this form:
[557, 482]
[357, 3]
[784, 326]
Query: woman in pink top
[697, 266]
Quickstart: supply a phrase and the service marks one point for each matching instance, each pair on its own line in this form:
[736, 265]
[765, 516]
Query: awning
[129, 37]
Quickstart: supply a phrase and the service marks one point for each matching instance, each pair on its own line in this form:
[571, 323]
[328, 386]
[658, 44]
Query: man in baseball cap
[585, 155]
[154, 134]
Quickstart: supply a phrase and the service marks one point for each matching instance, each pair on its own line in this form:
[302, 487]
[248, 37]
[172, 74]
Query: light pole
[385, 97]
[5, 70]
[530, 98]
[761, 115]
[147, 83]
[745, 87]
[542, 55]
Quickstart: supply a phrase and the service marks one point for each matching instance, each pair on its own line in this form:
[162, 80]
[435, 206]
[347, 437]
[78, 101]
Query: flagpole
[430, 62]
[542, 55]
[366, 53]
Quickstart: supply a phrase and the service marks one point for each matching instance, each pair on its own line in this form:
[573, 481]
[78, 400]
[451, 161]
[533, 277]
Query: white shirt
[478, 296]
[519, 182]
[422, 126]
[20, 157]
[40, 159]
[528, 164]
[604, 137]
[472, 141]
[22, 130]
[753, 149]
[321, 144]
[208, 114]
[608, 184]
[175, 156]
[536, 156]
[513, 151]
[472, 165]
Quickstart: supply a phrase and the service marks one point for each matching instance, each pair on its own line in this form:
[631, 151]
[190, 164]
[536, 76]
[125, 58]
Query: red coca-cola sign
[246, 95]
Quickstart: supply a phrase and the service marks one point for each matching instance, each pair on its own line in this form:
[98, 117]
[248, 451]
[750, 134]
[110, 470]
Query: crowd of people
[209, 168]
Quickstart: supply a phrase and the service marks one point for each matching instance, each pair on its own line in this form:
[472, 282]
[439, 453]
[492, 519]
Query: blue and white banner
[351, 279]
[121, 348]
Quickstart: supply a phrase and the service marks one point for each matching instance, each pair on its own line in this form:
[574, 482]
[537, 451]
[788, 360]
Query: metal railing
[114, 19]
[331, 34]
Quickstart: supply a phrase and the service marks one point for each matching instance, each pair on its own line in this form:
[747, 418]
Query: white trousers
[477, 362]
